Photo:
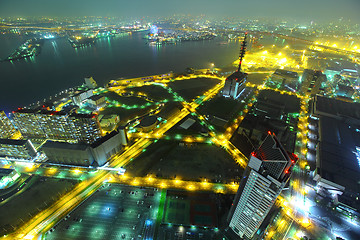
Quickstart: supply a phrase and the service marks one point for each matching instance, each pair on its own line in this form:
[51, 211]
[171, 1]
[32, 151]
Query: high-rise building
[84, 127]
[7, 129]
[235, 83]
[267, 173]
[44, 124]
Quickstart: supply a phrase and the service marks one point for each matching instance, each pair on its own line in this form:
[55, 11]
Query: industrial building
[80, 97]
[311, 81]
[337, 172]
[285, 79]
[83, 154]
[96, 101]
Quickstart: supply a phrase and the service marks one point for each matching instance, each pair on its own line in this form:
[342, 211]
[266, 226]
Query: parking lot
[113, 212]
[179, 232]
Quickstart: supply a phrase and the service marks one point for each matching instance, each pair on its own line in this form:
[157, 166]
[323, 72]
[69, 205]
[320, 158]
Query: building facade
[17, 149]
[267, 173]
[234, 85]
[82, 154]
[96, 101]
[80, 97]
[7, 129]
[44, 124]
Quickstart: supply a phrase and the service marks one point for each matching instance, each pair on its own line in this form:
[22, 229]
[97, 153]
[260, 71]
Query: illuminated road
[43, 221]
[151, 181]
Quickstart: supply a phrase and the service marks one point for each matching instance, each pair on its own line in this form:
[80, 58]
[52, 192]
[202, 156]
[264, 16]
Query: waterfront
[59, 66]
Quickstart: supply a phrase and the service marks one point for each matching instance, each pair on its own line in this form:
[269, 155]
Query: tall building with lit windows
[44, 124]
[267, 173]
[26, 120]
[20, 149]
[7, 129]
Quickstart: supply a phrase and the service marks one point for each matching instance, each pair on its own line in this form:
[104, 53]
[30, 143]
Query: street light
[212, 65]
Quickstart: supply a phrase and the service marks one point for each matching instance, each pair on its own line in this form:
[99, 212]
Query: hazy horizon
[301, 11]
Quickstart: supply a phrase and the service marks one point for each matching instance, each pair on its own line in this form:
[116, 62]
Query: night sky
[301, 10]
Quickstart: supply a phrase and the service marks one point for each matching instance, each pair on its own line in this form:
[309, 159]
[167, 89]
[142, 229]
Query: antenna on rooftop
[242, 51]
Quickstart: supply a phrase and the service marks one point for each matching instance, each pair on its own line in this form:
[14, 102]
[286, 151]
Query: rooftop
[12, 141]
[65, 145]
[336, 108]
[339, 159]
[286, 73]
[96, 97]
[238, 76]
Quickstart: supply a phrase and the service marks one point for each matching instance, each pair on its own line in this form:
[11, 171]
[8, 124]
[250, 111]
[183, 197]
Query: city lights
[180, 120]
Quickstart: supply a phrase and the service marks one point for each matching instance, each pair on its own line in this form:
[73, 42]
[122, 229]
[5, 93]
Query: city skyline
[302, 11]
[197, 120]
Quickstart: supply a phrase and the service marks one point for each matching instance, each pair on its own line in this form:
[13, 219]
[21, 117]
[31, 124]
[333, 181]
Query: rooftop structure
[285, 79]
[79, 98]
[311, 81]
[349, 112]
[337, 170]
[234, 84]
[96, 100]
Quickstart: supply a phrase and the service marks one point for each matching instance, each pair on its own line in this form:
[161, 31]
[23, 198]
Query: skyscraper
[267, 173]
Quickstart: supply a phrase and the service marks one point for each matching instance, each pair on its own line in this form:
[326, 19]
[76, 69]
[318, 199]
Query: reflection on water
[60, 66]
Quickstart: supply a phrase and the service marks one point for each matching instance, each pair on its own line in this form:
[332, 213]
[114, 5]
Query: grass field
[40, 194]
[191, 88]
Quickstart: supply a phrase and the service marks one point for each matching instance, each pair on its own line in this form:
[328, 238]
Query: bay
[59, 66]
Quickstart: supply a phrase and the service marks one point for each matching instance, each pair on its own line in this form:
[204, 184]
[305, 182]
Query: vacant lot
[194, 161]
[127, 100]
[40, 194]
[220, 107]
[191, 88]
[155, 92]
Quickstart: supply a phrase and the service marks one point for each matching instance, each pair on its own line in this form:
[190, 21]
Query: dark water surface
[59, 66]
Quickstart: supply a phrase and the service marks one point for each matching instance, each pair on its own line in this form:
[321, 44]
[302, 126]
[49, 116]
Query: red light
[286, 171]
[253, 154]
[269, 132]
